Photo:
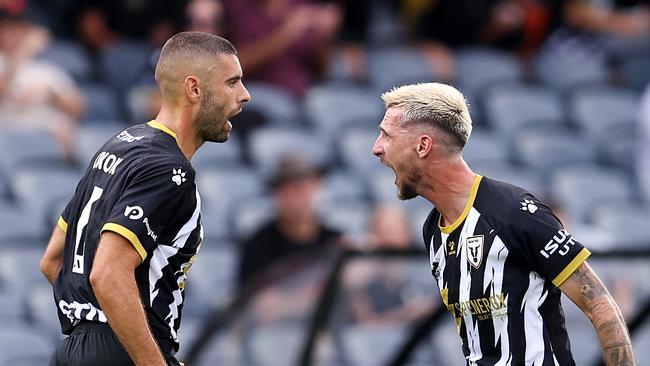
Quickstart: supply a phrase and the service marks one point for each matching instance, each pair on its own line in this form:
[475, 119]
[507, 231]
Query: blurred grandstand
[560, 116]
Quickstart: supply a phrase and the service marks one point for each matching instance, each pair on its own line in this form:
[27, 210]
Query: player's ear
[424, 146]
[192, 90]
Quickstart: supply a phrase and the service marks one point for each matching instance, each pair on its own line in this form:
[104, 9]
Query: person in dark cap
[295, 229]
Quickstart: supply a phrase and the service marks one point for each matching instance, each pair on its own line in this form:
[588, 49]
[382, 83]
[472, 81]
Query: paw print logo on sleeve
[178, 176]
[528, 205]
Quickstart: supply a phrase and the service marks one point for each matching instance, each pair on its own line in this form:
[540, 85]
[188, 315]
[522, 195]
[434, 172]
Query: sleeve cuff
[129, 235]
[62, 224]
[571, 267]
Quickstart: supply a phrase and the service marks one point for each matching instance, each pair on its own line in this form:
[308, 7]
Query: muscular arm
[51, 261]
[586, 290]
[113, 281]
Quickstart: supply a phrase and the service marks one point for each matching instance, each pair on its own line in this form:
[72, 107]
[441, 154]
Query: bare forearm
[612, 333]
[50, 264]
[119, 298]
[607, 320]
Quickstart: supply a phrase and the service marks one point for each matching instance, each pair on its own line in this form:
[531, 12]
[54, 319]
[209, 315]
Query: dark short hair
[194, 45]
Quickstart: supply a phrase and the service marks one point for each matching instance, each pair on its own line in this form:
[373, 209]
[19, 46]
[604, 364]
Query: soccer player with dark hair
[120, 254]
[500, 257]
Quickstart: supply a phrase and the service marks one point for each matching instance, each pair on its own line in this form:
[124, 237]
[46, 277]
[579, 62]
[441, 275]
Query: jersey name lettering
[107, 162]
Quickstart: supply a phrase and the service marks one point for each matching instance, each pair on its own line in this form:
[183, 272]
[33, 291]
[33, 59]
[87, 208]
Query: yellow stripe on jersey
[470, 202]
[62, 224]
[569, 269]
[160, 126]
[129, 235]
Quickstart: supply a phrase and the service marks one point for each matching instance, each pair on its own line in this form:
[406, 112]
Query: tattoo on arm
[605, 315]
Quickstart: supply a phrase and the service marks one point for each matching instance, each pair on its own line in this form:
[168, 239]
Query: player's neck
[449, 187]
[179, 121]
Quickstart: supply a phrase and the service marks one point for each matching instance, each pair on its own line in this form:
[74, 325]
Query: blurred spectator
[517, 25]
[34, 93]
[622, 18]
[378, 290]
[283, 42]
[102, 22]
[296, 228]
[204, 16]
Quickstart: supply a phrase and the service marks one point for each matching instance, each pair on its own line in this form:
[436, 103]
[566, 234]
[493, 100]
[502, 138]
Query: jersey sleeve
[154, 206]
[543, 242]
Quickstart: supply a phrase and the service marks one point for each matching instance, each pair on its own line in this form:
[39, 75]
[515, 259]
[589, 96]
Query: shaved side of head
[188, 53]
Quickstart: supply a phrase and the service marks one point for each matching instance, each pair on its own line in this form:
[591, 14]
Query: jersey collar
[470, 202]
[160, 126]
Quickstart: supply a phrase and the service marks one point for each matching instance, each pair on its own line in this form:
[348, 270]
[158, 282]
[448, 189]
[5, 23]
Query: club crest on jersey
[475, 250]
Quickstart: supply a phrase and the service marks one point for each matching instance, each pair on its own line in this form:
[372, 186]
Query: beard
[407, 189]
[211, 119]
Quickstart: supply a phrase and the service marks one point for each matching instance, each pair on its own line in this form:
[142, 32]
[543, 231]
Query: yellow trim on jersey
[568, 270]
[160, 126]
[62, 224]
[470, 202]
[129, 235]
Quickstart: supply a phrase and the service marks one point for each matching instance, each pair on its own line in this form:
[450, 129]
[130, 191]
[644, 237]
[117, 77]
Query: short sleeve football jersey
[498, 268]
[141, 186]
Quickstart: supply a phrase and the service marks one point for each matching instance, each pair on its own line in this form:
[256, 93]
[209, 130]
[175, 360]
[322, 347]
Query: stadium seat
[372, 345]
[91, 137]
[268, 145]
[249, 214]
[509, 107]
[275, 103]
[211, 279]
[341, 185]
[21, 224]
[620, 147]
[547, 151]
[218, 154]
[485, 147]
[221, 187]
[71, 57]
[350, 217]
[330, 108]
[23, 342]
[563, 65]
[102, 104]
[22, 147]
[478, 68]
[406, 66]
[355, 149]
[628, 218]
[636, 71]
[41, 307]
[122, 64]
[418, 210]
[382, 185]
[640, 342]
[600, 111]
[11, 303]
[266, 341]
[29, 360]
[19, 268]
[39, 188]
[579, 189]
[215, 224]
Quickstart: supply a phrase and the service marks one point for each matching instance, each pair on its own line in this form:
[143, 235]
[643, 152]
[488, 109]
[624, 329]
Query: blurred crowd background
[558, 91]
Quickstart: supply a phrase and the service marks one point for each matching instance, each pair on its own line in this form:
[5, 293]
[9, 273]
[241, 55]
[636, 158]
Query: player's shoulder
[497, 198]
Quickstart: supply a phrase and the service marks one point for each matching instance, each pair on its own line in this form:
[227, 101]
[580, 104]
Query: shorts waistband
[85, 327]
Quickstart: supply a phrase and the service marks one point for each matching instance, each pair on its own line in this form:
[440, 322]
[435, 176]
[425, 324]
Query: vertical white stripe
[160, 260]
[439, 257]
[473, 338]
[533, 322]
[493, 279]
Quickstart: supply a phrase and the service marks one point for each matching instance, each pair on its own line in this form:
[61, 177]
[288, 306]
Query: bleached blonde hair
[440, 105]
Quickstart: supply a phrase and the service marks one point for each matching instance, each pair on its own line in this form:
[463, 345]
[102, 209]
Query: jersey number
[79, 245]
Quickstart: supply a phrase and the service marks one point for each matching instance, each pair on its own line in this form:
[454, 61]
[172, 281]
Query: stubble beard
[211, 119]
[407, 188]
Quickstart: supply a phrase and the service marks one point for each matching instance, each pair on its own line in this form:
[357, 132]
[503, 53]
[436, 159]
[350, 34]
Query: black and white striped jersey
[139, 185]
[498, 268]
